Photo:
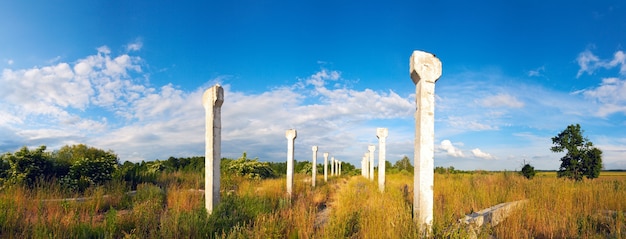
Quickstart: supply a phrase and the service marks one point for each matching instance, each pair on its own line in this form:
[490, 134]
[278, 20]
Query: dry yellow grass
[557, 208]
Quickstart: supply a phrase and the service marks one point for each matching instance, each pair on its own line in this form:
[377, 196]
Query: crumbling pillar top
[291, 134]
[213, 96]
[382, 132]
[424, 66]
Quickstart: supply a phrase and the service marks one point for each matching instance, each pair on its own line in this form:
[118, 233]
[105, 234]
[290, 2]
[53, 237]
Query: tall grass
[173, 207]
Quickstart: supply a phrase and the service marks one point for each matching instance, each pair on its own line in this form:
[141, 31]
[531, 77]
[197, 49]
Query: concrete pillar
[325, 167]
[371, 149]
[314, 166]
[367, 165]
[339, 168]
[212, 100]
[332, 166]
[425, 70]
[291, 135]
[381, 133]
[363, 166]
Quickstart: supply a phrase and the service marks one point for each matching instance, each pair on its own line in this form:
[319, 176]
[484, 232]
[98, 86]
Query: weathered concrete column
[339, 168]
[371, 149]
[314, 166]
[381, 134]
[291, 135]
[212, 100]
[425, 70]
[363, 167]
[325, 167]
[332, 166]
[367, 165]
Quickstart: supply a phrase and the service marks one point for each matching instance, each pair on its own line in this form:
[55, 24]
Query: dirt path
[323, 215]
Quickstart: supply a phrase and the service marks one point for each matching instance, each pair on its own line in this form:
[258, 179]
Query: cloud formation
[480, 154]
[105, 101]
[450, 149]
[610, 94]
[588, 62]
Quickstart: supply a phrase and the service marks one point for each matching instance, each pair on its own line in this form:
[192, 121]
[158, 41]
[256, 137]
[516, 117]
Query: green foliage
[4, 169]
[304, 167]
[251, 168]
[448, 170]
[280, 168]
[581, 158]
[77, 152]
[234, 211]
[27, 166]
[348, 169]
[528, 171]
[388, 166]
[88, 172]
[404, 164]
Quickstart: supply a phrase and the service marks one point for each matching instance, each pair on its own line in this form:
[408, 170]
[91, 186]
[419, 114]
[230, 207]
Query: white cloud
[10, 61]
[501, 100]
[468, 124]
[480, 154]
[588, 62]
[611, 94]
[537, 72]
[54, 105]
[450, 149]
[135, 46]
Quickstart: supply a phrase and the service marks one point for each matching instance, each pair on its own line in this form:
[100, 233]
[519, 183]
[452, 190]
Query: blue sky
[128, 76]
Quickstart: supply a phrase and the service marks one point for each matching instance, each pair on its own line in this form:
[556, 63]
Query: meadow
[344, 207]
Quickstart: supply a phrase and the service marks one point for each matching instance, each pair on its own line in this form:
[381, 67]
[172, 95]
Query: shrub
[528, 171]
[27, 166]
[251, 168]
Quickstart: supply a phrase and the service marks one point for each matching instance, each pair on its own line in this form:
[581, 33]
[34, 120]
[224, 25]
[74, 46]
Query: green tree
[27, 166]
[581, 158]
[404, 164]
[80, 166]
[528, 171]
[87, 172]
[73, 153]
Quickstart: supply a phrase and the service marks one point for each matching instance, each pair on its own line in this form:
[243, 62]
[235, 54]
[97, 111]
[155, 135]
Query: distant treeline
[78, 167]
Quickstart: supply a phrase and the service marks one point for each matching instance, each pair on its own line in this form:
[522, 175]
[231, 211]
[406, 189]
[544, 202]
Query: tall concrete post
[339, 168]
[381, 133]
[314, 166]
[367, 165]
[212, 100]
[425, 70]
[332, 166]
[371, 149]
[291, 136]
[363, 167]
[325, 167]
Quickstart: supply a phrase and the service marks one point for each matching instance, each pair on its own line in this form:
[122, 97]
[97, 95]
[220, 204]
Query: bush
[251, 168]
[27, 166]
[528, 171]
[87, 172]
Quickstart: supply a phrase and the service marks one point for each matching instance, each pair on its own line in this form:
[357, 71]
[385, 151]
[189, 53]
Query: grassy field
[345, 207]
